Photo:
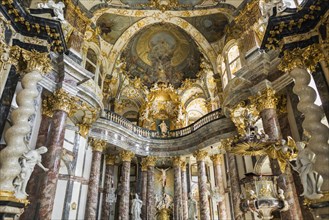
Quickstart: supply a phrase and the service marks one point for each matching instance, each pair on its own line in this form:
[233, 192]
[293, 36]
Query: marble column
[144, 189]
[35, 180]
[267, 107]
[62, 106]
[126, 157]
[31, 72]
[235, 186]
[177, 188]
[151, 211]
[217, 160]
[202, 180]
[93, 185]
[184, 191]
[108, 185]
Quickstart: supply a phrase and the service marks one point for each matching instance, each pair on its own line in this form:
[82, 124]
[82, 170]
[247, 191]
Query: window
[230, 63]
[91, 61]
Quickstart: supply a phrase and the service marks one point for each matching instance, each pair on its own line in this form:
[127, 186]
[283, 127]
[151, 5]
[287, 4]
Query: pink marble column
[126, 157]
[235, 186]
[33, 186]
[217, 160]
[267, 108]
[151, 211]
[202, 180]
[108, 184]
[93, 185]
[144, 189]
[177, 188]
[184, 191]
[51, 160]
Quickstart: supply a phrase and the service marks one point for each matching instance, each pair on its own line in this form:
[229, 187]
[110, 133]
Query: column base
[11, 207]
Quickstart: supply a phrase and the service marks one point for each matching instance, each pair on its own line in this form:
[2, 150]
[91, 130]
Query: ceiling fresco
[211, 26]
[112, 26]
[162, 52]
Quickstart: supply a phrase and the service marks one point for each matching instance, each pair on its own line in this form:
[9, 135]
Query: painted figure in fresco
[163, 178]
[192, 208]
[28, 162]
[310, 179]
[163, 128]
[136, 208]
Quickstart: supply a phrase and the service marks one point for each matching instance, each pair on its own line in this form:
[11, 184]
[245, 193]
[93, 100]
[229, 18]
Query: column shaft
[93, 185]
[125, 191]
[52, 161]
[203, 192]
[144, 193]
[150, 194]
[184, 191]
[177, 189]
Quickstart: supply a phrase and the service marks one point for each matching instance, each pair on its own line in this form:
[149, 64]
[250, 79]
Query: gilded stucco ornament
[177, 161]
[150, 161]
[200, 155]
[110, 159]
[47, 106]
[266, 100]
[307, 57]
[217, 158]
[126, 155]
[63, 101]
[97, 145]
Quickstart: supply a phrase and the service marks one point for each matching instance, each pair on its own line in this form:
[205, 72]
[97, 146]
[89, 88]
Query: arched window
[91, 61]
[231, 63]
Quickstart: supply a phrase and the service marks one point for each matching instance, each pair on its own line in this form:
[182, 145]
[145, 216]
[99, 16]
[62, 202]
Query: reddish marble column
[202, 180]
[235, 187]
[93, 185]
[267, 108]
[108, 184]
[177, 188]
[33, 186]
[144, 189]
[184, 191]
[126, 157]
[219, 181]
[151, 212]
[52, 158]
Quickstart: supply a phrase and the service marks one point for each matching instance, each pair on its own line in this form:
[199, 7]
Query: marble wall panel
[59, 200]
[74, 199]
[82, 202]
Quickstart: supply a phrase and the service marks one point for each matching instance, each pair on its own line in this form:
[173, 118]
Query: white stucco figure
[267, 6]
[192, 208]
[163, 128]
[136, 208]
[310, 179]
[163, 177]
[28, 162]
[58, 8]
[164, 202]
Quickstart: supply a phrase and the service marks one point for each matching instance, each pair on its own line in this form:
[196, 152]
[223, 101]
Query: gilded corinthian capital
[150, 161]
[267, 100]
[63, 101]
[126, 155]
[47, 106]
[177, 161]
[307, 57]
[27, 61]
[200, 155]
[97, 145]
[217, 158]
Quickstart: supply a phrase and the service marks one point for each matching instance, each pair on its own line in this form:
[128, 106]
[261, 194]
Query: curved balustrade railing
[118, 119]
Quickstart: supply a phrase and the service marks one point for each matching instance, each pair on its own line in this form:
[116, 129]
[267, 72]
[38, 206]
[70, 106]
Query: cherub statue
[58, 8]
[28, 162]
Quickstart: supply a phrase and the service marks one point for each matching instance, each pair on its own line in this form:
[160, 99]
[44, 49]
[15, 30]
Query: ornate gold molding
[307, 57]
[126, 155]
[62, 101]
[177, 161]
[27, 61]
[266, 100]
[110, 159]
[150, 161]
[97, 145]
[200, 155]
[47, 106]
[10, 196]
[217, 159]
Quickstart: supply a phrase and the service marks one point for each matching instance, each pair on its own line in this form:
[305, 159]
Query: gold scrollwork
[200, 155]
[97, 145]
[126, 155]
[307, 57]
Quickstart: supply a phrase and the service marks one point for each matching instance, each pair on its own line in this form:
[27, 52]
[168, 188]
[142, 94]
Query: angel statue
[310, 179]
[28, 162]
[58, 8]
